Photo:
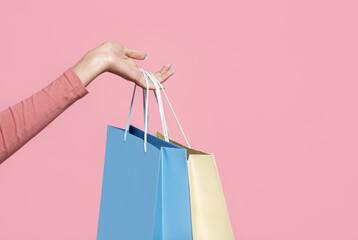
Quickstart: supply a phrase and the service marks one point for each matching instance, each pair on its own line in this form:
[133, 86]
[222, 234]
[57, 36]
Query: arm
[21, 122]
[24, 120]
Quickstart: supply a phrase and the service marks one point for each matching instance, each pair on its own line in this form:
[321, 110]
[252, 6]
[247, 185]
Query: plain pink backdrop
[269, 87]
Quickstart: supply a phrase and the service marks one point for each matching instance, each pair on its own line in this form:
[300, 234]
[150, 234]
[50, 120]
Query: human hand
[115, 58]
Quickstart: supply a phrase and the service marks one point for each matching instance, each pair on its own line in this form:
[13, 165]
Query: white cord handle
[160, 105]
[145, 108]
[155, 79]
[145, 112]
[129, 115]
[165, 122]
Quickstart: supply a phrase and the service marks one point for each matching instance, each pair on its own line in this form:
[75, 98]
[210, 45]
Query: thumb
[135, 54]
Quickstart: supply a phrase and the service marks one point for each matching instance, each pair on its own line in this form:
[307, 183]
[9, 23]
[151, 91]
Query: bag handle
[145, 108]
[129, 115]
[161, 86]
[160, 105]
[165, 122]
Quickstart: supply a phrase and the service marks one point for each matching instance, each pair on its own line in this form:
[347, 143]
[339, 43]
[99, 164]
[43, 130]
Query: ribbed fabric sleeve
[21, 122]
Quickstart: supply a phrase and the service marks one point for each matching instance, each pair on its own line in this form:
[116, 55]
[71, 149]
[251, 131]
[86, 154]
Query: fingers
[164, 73]
[141, 81]
[165, 68]
[135, 54]
[166, 76]
[137, 76]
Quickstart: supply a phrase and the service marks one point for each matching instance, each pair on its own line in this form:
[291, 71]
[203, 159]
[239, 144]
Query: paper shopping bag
[210, 218]
[145, 189]
[145, 195]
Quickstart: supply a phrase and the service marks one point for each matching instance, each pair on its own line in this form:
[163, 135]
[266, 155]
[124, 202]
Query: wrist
[90, 66]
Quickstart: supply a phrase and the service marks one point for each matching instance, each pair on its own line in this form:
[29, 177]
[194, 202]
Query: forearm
[22, 121]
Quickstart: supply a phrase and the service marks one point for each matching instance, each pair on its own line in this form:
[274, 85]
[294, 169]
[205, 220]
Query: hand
[115, 58]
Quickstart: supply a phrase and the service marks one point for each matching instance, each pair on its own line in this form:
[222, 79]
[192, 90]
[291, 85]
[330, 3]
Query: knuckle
[109, 57]
[107, 43]
[107, 46]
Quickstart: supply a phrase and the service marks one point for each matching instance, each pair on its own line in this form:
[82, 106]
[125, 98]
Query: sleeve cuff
[76, 82]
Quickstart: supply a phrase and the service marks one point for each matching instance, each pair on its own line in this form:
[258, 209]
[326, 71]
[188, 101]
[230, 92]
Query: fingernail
[170, 65]
[172, 73]
[146, 57]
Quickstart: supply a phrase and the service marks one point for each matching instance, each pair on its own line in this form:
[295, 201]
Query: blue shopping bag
[144, 195]
[145, 192]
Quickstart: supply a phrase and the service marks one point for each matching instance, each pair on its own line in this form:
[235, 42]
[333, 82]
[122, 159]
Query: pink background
[268, 87]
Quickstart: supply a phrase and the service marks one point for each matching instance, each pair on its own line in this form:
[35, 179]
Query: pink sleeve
[22, 121]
